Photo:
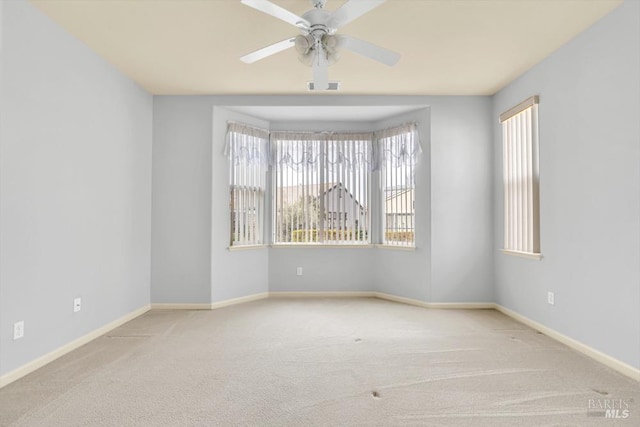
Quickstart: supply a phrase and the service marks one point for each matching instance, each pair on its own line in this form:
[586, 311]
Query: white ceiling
[448, 47]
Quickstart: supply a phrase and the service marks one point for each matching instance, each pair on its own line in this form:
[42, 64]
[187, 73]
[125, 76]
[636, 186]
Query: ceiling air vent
[332, 86]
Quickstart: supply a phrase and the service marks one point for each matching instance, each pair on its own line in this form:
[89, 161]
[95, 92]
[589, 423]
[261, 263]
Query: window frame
[351, 169]
[521, 179]
[408, 203]
[252, 180]
[324, 140]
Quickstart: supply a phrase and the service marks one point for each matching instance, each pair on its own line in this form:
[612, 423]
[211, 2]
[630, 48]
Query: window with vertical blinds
[398, 150]
[321, 188]
[248, 151]
[521, 178]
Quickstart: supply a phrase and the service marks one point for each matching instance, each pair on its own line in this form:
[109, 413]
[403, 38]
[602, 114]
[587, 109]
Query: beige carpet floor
[321, 362]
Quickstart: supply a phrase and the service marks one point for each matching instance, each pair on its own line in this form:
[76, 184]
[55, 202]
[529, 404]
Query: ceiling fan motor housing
[318, 19]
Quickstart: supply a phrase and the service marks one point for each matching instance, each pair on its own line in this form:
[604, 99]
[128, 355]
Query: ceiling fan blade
[369, 50]
[259, 54]
[320, 70]
[350, 11]
[277, 12]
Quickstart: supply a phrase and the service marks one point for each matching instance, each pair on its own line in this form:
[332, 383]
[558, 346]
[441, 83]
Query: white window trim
[373, 219]
[521, 190]
[247, 150]
[397, 247]
[321, 245]
[324, 137]
[528, 255]
[246, 247]
[408, 158]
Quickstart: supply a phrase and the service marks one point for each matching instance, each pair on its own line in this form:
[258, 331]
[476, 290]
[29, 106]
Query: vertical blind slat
[521, 188]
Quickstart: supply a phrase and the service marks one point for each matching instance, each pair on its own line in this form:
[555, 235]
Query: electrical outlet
[551, 298]
[77, 305]
[18, 330]
[299, 271]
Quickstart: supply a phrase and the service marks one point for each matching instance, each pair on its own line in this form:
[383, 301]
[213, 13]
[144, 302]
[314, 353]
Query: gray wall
[453, 261]
[75, 185]
[238, 273]
[190, 262]
[589, 190]
[181, 212]
[461, 194]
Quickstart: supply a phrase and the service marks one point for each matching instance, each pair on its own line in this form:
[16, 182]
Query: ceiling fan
[317, 44]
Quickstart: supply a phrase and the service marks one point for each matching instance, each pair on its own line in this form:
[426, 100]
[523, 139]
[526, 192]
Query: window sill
[528, 255]
[246, 248]
[320, 245]
[340, 246]
[396, 247]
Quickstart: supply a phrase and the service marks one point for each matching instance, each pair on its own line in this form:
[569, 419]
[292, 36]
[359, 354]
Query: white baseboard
[211, 306]
[597, 355]
[588, 351]
[312, 294]
[462, 305]
[241, 300]
[162, 306]
[322, 294]
[38, 363]
[402, 300]
[437, 305]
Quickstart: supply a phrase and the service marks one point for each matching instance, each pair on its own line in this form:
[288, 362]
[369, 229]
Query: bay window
[321, 186]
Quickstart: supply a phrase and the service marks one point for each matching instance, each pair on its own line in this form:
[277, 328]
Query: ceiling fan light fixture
[307, 50]
[330, 42]
[331, 45]
[307, 59]
[303, 44]
[332, 58]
